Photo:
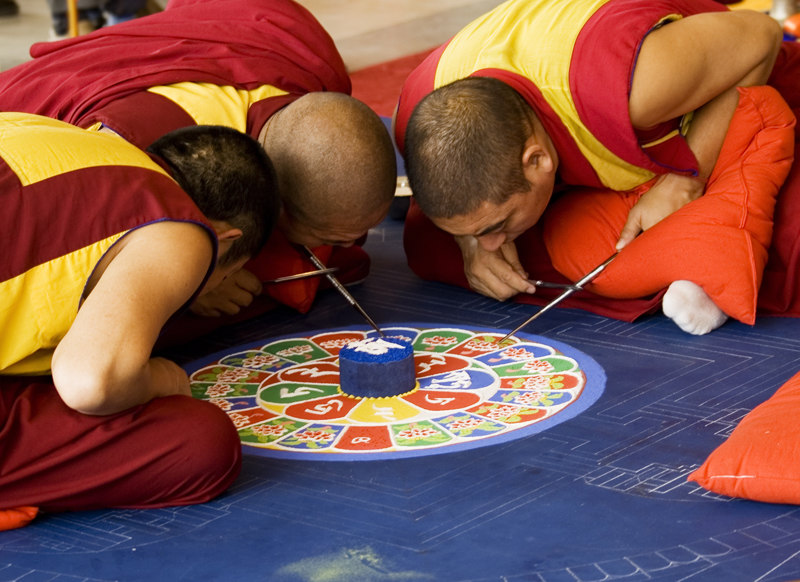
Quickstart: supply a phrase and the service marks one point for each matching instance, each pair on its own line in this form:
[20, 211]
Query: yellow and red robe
[262, 48]
[573, 61]
[68, 195]
[226, 62]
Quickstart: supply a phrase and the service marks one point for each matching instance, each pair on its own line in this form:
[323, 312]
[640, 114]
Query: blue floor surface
[602, 496]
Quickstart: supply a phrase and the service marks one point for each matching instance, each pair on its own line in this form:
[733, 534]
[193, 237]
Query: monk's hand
[669, 193]
[498, 273]
[229, 297]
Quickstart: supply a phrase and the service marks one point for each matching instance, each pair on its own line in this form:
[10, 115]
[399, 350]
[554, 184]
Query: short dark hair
[464, 144]
[230, 178]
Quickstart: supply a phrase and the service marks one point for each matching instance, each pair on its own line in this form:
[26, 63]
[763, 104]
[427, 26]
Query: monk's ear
[226, 234]
[229, 235]
[536, 159]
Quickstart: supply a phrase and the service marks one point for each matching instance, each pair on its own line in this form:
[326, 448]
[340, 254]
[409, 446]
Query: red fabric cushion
[759, 460]
[719, 241]
[280, 258]
[434, 255]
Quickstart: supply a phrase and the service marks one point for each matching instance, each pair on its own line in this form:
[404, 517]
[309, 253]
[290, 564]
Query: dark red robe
[244, 43]
[599, 88]
[168, 451]
[104, 76]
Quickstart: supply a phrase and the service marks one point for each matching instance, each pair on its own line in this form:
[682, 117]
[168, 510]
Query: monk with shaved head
[264, 67]
[312, 140]
[522, 128]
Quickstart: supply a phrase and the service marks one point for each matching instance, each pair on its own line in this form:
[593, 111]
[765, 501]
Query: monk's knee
[204, 453]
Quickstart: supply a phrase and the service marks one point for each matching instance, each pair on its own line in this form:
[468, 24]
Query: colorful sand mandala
[284, 396]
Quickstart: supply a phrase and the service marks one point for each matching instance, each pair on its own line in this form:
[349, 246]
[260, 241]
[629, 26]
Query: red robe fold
[600, 92]
[104, 76]
[246, 43]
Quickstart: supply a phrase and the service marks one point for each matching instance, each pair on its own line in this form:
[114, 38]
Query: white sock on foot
[691, 309]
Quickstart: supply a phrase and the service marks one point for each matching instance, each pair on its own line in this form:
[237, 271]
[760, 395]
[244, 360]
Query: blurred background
[367, 32]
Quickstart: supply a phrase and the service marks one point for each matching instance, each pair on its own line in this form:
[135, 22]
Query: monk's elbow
[82, 389]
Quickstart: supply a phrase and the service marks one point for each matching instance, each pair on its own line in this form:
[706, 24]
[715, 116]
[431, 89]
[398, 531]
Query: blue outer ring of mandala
[593, 389]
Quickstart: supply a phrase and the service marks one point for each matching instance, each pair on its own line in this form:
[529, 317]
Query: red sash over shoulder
[103, 76]
[600, 88]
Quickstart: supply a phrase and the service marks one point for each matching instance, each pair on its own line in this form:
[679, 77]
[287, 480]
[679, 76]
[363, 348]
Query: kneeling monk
[104, 244]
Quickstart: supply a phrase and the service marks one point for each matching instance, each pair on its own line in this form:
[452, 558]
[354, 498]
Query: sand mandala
[283, 394]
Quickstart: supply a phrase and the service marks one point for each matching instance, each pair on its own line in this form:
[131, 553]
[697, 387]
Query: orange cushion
[17, 517]
[761, 458]
[720, 241]
[792, 25]
[280, 258]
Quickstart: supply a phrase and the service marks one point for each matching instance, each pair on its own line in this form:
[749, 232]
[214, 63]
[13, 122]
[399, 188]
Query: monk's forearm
[708, 129]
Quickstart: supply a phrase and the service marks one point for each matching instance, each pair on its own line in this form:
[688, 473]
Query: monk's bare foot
[691, 309]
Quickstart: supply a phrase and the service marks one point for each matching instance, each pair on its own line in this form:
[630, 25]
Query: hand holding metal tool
[568, 290]
[341, 289]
